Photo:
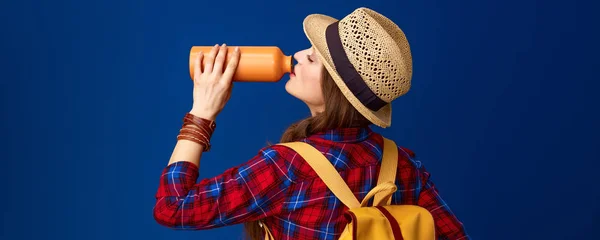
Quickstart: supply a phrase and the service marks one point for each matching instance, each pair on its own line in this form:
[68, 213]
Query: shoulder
[407, 158]
[279, 152]
[410, 165]
[407, 151]
[276, 159]
[294, 162]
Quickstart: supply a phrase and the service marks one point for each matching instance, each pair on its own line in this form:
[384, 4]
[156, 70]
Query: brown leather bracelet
[200, 132]
[205, 146]
[198, 121]
[194, 132]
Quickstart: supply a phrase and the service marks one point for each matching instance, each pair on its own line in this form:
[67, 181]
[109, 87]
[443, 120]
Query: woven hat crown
[379, 51]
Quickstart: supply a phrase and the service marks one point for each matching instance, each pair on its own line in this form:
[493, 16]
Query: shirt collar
[351, 134]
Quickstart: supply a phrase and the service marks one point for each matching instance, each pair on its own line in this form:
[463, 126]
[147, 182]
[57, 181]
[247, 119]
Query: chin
[291, 88]
[287, 86]
[290, 85]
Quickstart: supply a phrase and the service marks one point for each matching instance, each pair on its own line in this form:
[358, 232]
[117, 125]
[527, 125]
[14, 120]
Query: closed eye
[308, 57]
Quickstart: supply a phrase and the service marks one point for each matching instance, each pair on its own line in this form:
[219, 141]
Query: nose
[297, 56]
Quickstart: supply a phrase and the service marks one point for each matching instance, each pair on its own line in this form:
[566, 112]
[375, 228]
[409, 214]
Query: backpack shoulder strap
[389, 166]
[326, 172]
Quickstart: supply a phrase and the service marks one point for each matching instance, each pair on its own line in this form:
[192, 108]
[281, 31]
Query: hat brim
[314, 27]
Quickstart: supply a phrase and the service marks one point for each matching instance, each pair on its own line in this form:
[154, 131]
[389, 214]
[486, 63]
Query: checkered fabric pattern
[278, 186]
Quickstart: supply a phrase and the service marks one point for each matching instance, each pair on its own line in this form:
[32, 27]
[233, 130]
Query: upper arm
[250, 191]
[427, 196]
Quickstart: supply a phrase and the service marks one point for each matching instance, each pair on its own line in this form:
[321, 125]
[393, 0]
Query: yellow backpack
[381, 221]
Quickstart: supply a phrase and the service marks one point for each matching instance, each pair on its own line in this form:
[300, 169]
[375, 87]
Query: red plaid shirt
[278, 186]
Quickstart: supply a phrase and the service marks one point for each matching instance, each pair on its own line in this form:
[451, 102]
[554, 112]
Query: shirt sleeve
[248, 192]
[447, 225]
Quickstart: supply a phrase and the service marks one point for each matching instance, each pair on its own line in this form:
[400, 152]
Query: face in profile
[305, 80]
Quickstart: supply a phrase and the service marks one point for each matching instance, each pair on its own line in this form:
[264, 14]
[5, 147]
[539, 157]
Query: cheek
[295, 87]
[312, 87]
[310, 77]
[306, 86]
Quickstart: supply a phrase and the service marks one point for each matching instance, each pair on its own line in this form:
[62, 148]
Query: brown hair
[339, 113]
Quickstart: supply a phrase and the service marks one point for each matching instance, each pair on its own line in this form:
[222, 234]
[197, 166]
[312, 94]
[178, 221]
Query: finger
[220, 59]
[231, 66]
[208, 65]
[197, 64]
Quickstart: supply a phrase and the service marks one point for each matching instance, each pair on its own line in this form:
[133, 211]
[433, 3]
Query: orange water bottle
[257, 63]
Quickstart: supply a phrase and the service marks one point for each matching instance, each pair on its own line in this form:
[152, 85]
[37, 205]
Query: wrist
[203, 114]
[197, 129]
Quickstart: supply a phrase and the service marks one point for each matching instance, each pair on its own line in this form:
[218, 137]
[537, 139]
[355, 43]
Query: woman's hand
[212, 87]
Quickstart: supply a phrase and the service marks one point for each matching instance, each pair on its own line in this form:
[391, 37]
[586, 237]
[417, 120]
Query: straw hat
[368, 57]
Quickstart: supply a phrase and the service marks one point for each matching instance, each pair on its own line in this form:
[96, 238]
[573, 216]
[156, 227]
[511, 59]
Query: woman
[354, 69]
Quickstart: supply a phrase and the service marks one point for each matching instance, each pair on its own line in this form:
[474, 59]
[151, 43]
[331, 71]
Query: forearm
[186, 150]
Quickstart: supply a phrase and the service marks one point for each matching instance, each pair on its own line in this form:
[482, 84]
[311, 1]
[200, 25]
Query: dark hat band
[346, 70]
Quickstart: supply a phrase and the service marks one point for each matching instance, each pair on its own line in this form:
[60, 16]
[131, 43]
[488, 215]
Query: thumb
[197, 66]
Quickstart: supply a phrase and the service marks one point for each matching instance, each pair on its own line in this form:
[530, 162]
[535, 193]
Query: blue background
[503, 109]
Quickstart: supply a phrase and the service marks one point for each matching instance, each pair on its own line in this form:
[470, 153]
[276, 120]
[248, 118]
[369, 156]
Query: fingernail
[224, 45]
[237, 49]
